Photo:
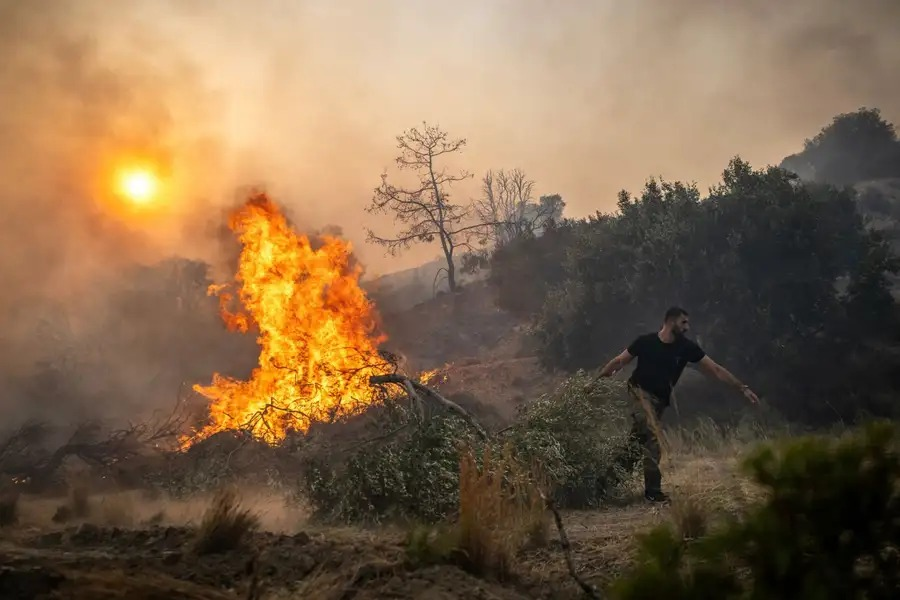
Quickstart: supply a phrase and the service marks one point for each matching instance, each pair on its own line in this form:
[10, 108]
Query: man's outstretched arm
[714, 369]
[616, 364]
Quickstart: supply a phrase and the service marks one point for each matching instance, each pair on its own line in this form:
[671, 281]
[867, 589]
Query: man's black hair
[674, 312]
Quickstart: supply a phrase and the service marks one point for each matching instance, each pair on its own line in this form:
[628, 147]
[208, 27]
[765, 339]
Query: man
[662, 357]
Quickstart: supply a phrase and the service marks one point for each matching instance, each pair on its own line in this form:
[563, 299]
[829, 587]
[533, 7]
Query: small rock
[301, 538]
[171, 558]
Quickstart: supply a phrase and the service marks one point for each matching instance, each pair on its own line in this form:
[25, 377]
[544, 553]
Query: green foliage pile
[413, 475]
[577, 436]
[829, 528]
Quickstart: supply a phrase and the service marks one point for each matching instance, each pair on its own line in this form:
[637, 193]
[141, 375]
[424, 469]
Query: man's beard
[679, 333]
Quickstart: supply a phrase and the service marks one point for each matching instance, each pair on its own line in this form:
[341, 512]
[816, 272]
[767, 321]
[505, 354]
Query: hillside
[404, 289]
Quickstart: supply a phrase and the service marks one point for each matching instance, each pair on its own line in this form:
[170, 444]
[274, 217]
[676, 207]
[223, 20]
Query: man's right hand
[749, 395]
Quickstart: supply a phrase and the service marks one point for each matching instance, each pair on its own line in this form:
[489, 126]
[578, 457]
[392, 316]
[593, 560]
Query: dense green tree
[855, 147]
[524, 269]
[782, 278]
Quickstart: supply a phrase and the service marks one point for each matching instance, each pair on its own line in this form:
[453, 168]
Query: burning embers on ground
[316, 330]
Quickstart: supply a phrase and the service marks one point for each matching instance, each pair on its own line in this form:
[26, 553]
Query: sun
[138, 185]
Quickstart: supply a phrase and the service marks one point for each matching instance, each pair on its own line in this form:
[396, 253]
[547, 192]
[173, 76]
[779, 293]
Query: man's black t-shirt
[659, 365]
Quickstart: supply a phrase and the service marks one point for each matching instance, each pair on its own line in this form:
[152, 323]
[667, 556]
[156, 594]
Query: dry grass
[690, 516]
[226, 525]
[320, 585]
[701, 474]
[114, 584]
[500, 510]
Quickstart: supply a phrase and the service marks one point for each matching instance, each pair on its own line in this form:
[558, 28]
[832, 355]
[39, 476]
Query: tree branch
[428, 392]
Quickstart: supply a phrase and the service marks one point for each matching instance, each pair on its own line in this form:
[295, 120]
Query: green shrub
[829, 528]
[580, 435]
[577, 437]
[413, 475]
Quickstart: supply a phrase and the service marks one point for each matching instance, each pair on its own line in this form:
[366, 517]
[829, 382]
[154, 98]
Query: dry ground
[138, 547]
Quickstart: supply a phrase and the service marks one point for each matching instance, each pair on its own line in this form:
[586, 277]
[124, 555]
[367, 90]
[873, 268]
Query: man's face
[681, 325]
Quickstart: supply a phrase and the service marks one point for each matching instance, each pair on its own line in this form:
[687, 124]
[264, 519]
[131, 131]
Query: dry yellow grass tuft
[500, 510]
[225, 525]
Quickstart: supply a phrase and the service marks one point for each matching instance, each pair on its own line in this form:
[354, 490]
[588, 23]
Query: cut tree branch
[406, 382]
[589, 590]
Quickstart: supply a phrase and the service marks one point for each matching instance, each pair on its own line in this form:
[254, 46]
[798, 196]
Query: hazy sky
[588, 97]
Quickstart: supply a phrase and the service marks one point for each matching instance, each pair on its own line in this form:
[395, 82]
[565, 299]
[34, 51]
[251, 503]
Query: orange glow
[316, 330]
[138, 185]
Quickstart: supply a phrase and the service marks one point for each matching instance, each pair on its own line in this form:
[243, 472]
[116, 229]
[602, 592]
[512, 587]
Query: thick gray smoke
[88, 328]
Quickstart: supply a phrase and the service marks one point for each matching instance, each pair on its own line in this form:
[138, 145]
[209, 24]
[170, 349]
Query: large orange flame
[317, 330]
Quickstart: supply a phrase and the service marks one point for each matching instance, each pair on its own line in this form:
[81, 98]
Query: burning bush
[316, 330]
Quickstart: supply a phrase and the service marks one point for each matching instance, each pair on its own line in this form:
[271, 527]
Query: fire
[426, 376]
[435, 376]
[317, 330]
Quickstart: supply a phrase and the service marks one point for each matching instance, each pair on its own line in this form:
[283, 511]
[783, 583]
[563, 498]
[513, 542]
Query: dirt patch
[97, 562]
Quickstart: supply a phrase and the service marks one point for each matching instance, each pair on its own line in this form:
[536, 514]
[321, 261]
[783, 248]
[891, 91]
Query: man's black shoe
[658, 497]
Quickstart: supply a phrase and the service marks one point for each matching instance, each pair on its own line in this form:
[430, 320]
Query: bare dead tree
[506, 197]
[425, 211]
[508, 204]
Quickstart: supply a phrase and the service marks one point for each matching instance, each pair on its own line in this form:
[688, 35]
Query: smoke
[586, 96]
[306, 96]
[83, 92]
